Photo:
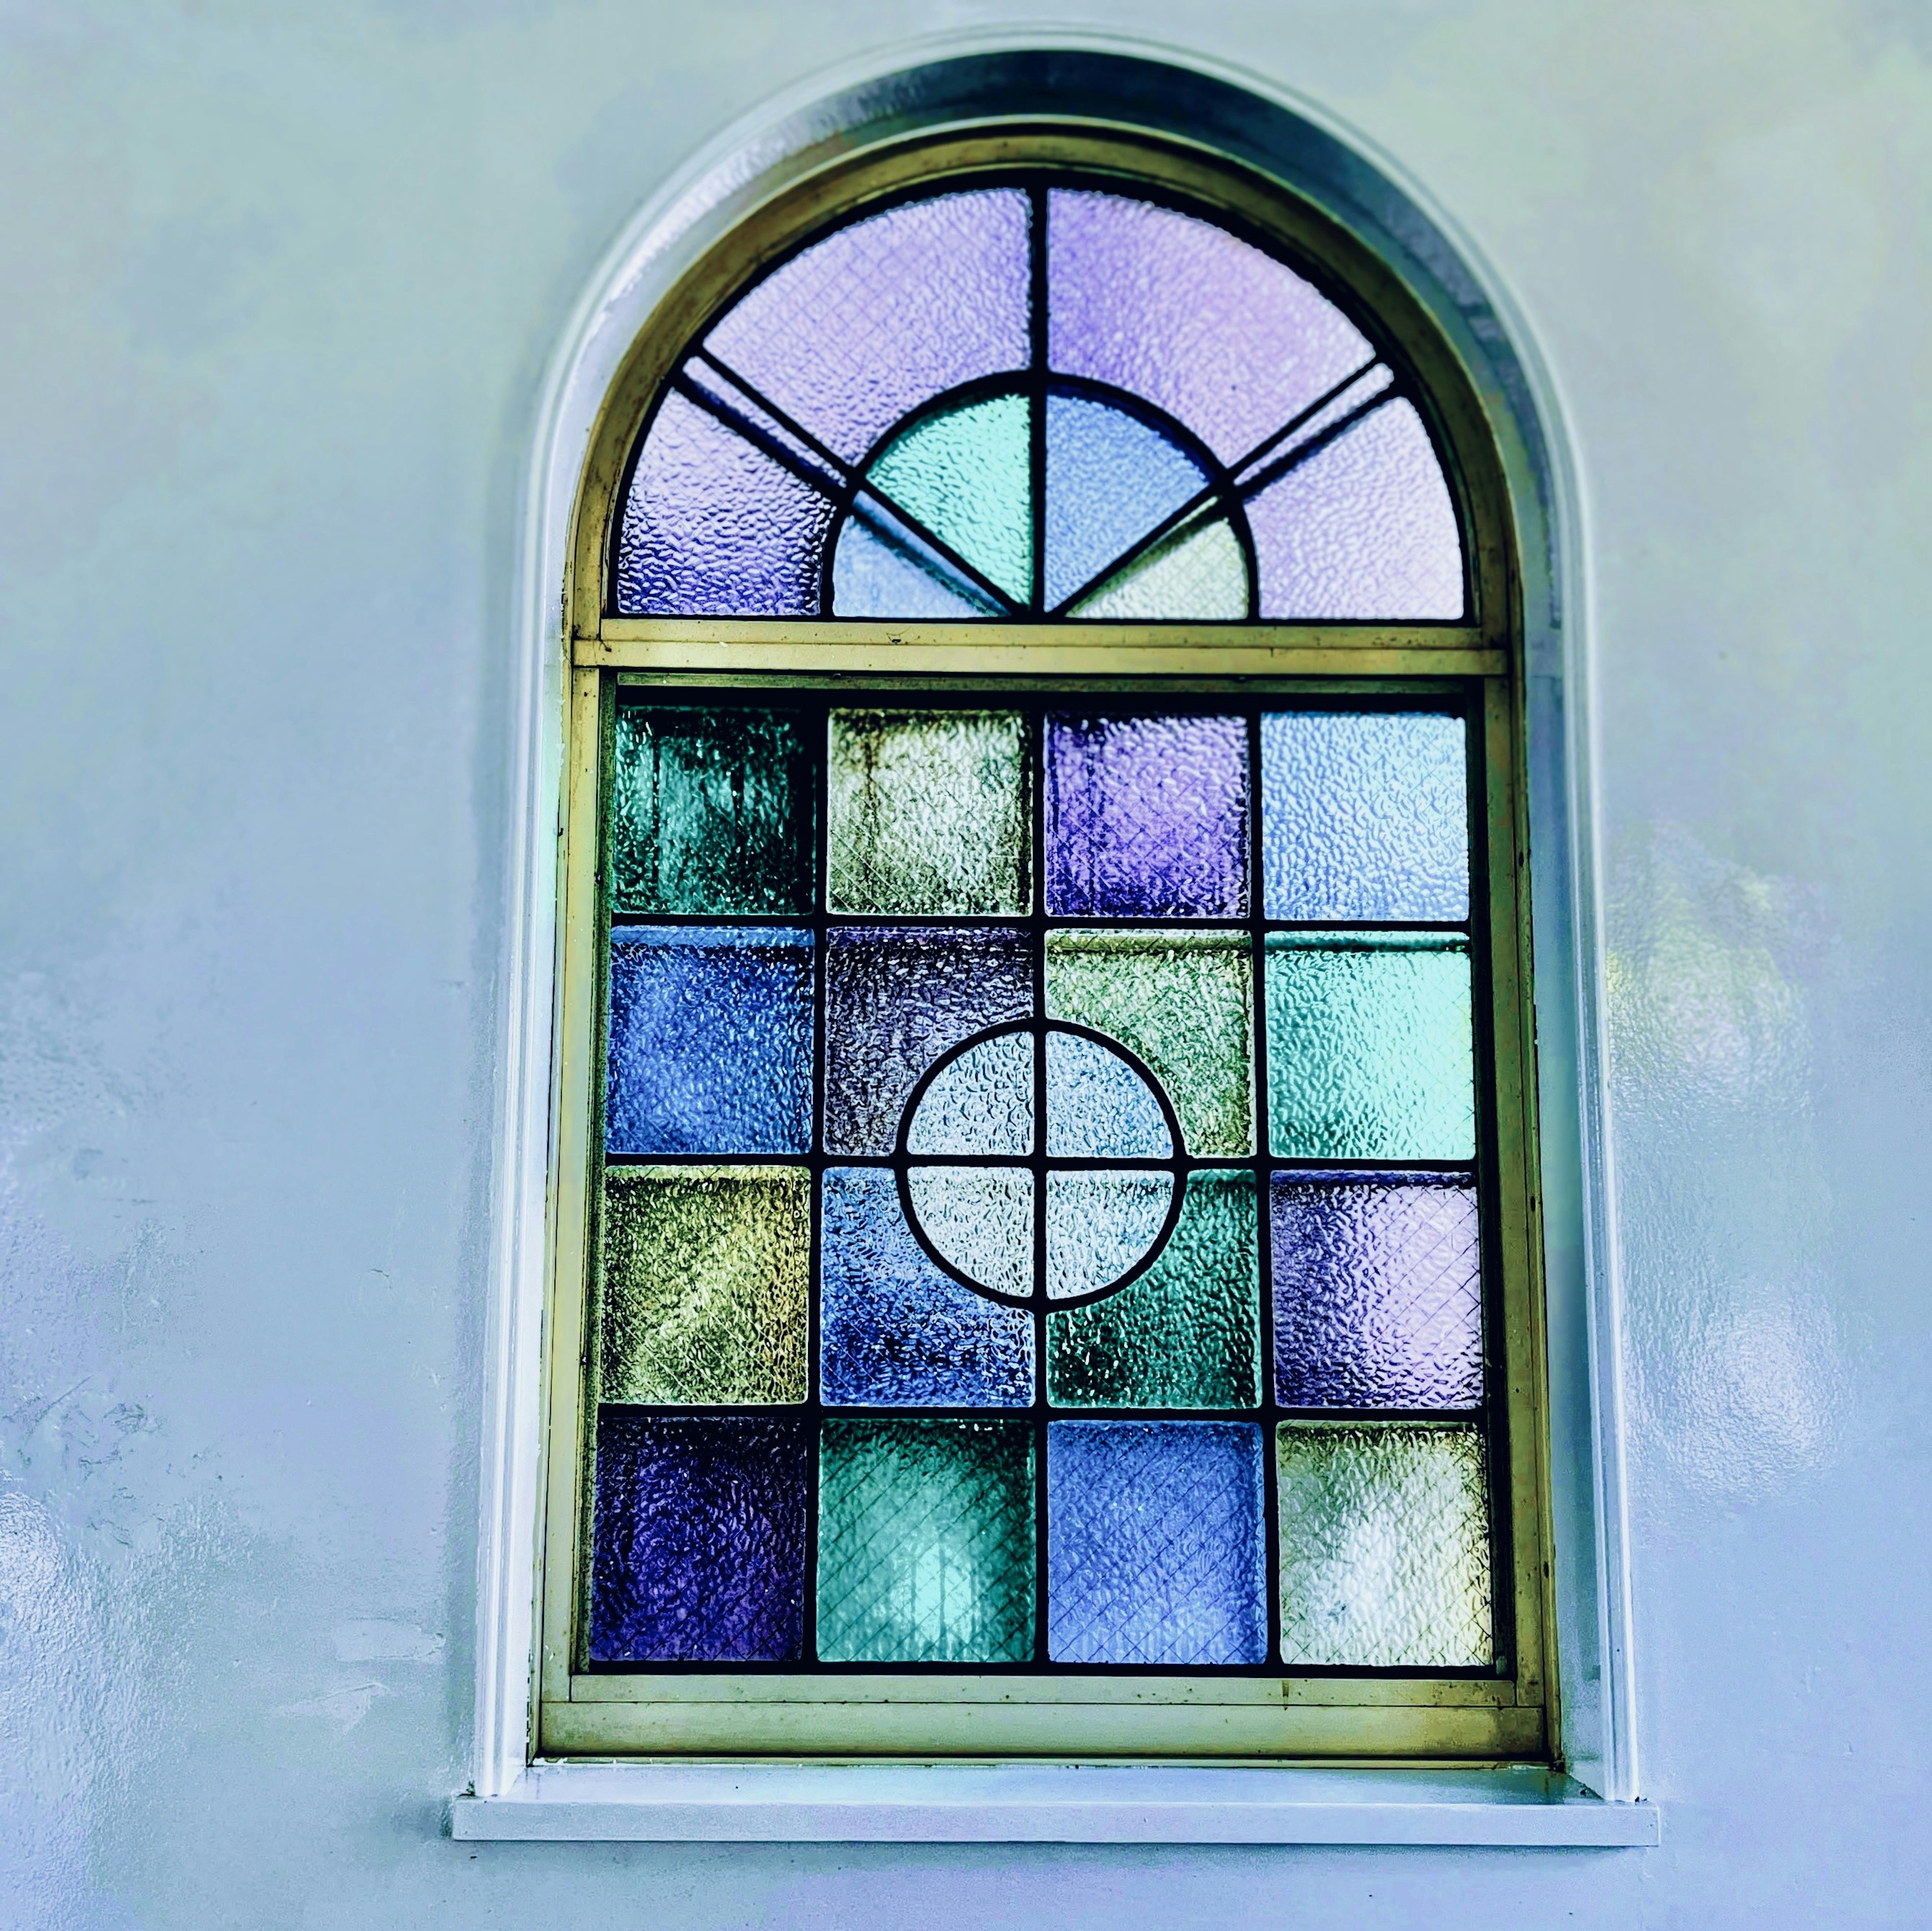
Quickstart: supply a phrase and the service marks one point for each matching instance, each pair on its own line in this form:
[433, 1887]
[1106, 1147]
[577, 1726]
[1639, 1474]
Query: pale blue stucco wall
[278, 284]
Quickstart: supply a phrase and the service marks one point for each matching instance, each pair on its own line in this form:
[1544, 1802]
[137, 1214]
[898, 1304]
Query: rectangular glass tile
[1384, 1545]
[706, 1276]
[1155, 1549]
[1370, 1054]
[698, 1537]
[710, 1040]
[709, 813]
[926, 1542]
[928, 813]
[1377, 1292]
[1182, 1002]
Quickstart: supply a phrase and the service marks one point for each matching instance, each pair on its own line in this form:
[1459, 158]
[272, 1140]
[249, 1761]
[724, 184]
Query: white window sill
[1048, 1803]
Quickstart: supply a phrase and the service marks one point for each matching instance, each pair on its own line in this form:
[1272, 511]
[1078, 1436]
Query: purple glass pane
[1377, 1292]
[699, 1538]
[713, 528]
[1147, 817]
[885, 314]
[1364, 529]
[1180, 311]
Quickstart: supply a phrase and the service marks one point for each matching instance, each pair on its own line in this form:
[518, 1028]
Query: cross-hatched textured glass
[926, 1542]
[709, 813]
[1182, 1002]
[1186, 1335]
[1384, 1545]
[704, 1282]
[1377, 1292]
[928, 813]
[1370, 1054]
[1097, 1107]
[698, 1537]
[980, 1218]
[1199, 572]
[981, 1103]
[710, 1040]
[1364, 815]
[1099, 1224]
[1154, 1543]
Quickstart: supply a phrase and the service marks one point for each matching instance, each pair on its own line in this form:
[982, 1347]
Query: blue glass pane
[710, 1040]
[699, 1538]
[878, 571]
[981, 1103]
[1099, 1224]
[1155, 1551]
[1097, 1107]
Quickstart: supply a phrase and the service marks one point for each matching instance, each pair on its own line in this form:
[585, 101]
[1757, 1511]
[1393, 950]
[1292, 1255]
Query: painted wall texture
[278, 286]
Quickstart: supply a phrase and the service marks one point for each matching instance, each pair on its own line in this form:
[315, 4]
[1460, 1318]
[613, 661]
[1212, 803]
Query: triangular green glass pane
[1201, 575]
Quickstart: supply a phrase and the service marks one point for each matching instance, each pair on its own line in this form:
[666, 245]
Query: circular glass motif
[1064, 1220]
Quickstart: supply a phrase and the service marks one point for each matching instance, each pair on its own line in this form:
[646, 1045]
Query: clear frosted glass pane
[982, 1103]
[1364, 815]
[1385, 1546]
[1198, 573]
[894, 1331]
[710, 1040]
[704, 1281]
[1099, 1225]
[698, 1537]
[1186, 1335]
[928, 813]
[1097, 1107]
[1154, 1543]
[709, 812]
[1370, 1053]
[980, 1218]
[878, 571]
[1377, 1292]
[926, 1542]
[1181, 1001]
[1147, 817]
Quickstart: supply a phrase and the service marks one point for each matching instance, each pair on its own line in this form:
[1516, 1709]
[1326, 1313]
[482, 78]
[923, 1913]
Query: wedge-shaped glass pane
[1097, 1107]
[982, 1102]
[881, 569]
[980, 1219]
[1199, 572]
[1384, 1545]
[926, 1542]
[1099, 1225]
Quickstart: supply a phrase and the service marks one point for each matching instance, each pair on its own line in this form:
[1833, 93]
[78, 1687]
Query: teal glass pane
[1370, 1054]
[926, 1541]
[1198, 573]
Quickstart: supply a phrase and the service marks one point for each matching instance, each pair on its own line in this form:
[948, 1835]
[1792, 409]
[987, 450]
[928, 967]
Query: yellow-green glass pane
[704, 1284]
[1199, 573]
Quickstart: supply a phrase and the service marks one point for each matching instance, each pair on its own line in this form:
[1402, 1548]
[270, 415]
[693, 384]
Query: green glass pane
[928, 813]
[1370, 1051]
[1183, 1002]
[926, 1542]
[1186, 1335]
[1201, 574]
[1384, 1545]
[709, 812]
[703, 1284]
[967, 475]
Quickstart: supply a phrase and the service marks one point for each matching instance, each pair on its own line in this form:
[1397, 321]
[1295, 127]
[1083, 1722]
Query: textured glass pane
[1364, 529]
[928, 812]
[878, 571]
[1198, 573]
[713, 528]
[1364, 815]
[1147, 817]
[981, 1103]
[710, 813]
[894, 1331]
[699, 1538]
[1377, 1292]
[1180, 311]
[710, 1040]
[1099, 1225]
[1154, 1543]
[981, 1219]
[895, 999]
[926, 1542]
[1384, 1545]
[885, 314]
[1097, 1107]
[1181, 1001]
[705, 1273]
[1186, 1334]
[1370, 1055]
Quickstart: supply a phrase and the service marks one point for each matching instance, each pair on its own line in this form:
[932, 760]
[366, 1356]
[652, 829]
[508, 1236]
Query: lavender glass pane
[699, 1538]
[713, 528]
[1178, 310]
[884, 314]
[893, 1330]
[710, 1040]
[1377, 1292]
[1147, 817]
[1364, 529]
[896, 998]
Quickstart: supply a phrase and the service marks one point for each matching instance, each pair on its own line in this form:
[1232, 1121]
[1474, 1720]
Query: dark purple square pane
[1147, 817]
[1377, 1292]
[699, 1537]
